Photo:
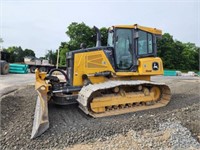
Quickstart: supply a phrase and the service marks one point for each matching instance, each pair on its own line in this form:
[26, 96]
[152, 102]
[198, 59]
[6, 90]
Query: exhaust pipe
[98, 43]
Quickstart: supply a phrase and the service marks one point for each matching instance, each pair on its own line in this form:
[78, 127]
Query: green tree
[29, 52]
[10, 50]
[51, 56]
[64, 48]
[19, 55]
[80, 33]
[41, 57]
[178, 55]
[196, 57]
[104, 36]
[165, 48]
[16, 54]
[190, 56]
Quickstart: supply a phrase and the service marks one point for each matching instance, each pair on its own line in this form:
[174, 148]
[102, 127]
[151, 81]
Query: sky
[40, 25]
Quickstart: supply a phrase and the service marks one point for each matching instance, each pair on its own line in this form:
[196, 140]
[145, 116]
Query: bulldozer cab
[130, 43]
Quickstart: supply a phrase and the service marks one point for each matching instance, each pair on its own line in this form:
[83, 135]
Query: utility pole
[58, 55]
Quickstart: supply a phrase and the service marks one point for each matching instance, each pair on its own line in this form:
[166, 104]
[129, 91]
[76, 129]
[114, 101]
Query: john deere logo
[155, 66]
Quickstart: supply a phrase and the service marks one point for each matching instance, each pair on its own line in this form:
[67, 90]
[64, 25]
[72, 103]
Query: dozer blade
[41, 119]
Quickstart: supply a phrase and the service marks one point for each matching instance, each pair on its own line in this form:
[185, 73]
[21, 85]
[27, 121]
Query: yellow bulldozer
[106, 80]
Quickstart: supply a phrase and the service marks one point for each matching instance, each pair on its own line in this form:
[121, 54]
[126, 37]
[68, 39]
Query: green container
[19, 65]
[18, 71]
[18, 68]
[21, 68]
[169, 73]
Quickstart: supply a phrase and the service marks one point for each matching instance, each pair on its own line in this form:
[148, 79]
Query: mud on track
[70, 126]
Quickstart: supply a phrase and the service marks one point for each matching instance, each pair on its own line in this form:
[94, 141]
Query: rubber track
[87, 91]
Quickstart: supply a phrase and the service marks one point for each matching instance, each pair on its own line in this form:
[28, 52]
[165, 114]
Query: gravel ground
[169, 135]
[12, 82]
[176, 126]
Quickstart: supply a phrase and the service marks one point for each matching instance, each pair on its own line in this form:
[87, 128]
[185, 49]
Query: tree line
[175, 54]
[17, 54]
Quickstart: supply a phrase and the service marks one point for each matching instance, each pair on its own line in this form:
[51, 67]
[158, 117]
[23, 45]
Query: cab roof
[136, 26]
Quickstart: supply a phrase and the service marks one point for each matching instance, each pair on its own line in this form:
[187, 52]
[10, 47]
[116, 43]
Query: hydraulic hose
[59, 70]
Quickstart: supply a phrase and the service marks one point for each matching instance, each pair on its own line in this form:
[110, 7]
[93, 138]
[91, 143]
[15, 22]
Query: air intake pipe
[98, 43]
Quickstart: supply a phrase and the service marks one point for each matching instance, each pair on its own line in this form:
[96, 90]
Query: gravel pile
[180, 137]
[70, 127]
[169, 135]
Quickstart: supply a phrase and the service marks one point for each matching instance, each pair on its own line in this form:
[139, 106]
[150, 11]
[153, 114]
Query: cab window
[145, 43]
[150, 43]
[110, 38]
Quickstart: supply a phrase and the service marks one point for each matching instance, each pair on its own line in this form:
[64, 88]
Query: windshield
[123, 48]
